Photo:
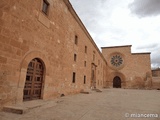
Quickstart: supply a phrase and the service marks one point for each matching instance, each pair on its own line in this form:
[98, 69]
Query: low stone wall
[155, 82]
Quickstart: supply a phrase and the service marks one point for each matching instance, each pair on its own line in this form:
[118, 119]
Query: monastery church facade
[46, 51]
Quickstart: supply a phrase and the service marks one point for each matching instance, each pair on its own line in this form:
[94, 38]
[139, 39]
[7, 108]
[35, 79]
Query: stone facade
[156, 72]
[133, 69]
[27, 33]
[156, 78]
[45, 41]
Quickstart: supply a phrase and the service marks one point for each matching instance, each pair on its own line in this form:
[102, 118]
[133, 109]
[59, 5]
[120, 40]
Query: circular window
[116, 60]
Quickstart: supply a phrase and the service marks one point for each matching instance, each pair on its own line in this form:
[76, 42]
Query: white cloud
[112, 22]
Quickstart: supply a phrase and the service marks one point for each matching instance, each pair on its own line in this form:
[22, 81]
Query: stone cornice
[141, 53]
[116, 46]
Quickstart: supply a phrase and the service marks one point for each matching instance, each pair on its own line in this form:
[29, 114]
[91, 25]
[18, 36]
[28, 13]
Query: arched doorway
[93, 76]
[117, 82]
[34, 80]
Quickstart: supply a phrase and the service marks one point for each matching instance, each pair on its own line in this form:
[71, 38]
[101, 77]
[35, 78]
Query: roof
[141, 53]
[116, 46]
[76, 17]
[157, 69]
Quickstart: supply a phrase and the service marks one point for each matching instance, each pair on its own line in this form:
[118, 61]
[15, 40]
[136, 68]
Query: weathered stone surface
[133, 71]
[156, 72]
[27, 33]
[3, 59]
[17, 110]
[156, 83]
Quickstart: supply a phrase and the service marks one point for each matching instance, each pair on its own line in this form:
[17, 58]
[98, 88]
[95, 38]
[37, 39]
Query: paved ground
[111, 104]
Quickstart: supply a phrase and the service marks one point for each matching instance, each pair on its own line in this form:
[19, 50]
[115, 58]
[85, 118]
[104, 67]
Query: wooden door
[93, 75]
[117, 82]
[34, 80]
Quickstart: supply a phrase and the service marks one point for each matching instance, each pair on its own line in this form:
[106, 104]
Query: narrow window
[74, 77]
[76, 39]
[85, 63]
[75, 57]
[84, 79]
[45, 7]
[92, 75]
[85, 49]
[93, 57]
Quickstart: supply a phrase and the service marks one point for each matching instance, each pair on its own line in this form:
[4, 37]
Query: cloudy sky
[123, 22]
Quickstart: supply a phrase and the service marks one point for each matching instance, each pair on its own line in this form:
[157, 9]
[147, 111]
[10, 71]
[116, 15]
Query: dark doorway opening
[117, 82]
[93, 76]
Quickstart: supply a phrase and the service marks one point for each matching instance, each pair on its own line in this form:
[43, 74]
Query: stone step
[84, 92]
[13, 109]
[24, 107]
[97, 90]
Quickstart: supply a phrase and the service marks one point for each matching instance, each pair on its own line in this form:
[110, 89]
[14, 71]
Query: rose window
[116, 60]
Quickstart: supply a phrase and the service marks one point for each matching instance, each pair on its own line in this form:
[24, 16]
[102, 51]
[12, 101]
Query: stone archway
[112, 75]
[93, 76]
[116, 82]
[23, 72]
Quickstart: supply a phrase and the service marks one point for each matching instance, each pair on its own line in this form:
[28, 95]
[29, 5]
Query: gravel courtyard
[110, 104]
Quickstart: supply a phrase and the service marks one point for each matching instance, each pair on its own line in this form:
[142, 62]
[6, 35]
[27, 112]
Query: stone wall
[27, 33]
[134, 71]
[156, 72]
[55, 39]
[155, 82]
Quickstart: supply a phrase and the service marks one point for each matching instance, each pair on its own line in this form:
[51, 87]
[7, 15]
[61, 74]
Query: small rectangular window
[85, 49]
[74, 77]
[84, 79]
[85, 63]
[75, 57]
[76, 39]
[92, 77]
[45, 7]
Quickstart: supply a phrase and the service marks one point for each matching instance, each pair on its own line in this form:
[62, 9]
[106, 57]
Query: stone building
[126, 69]
[156, 78]
[156, 72]
[46, 51]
